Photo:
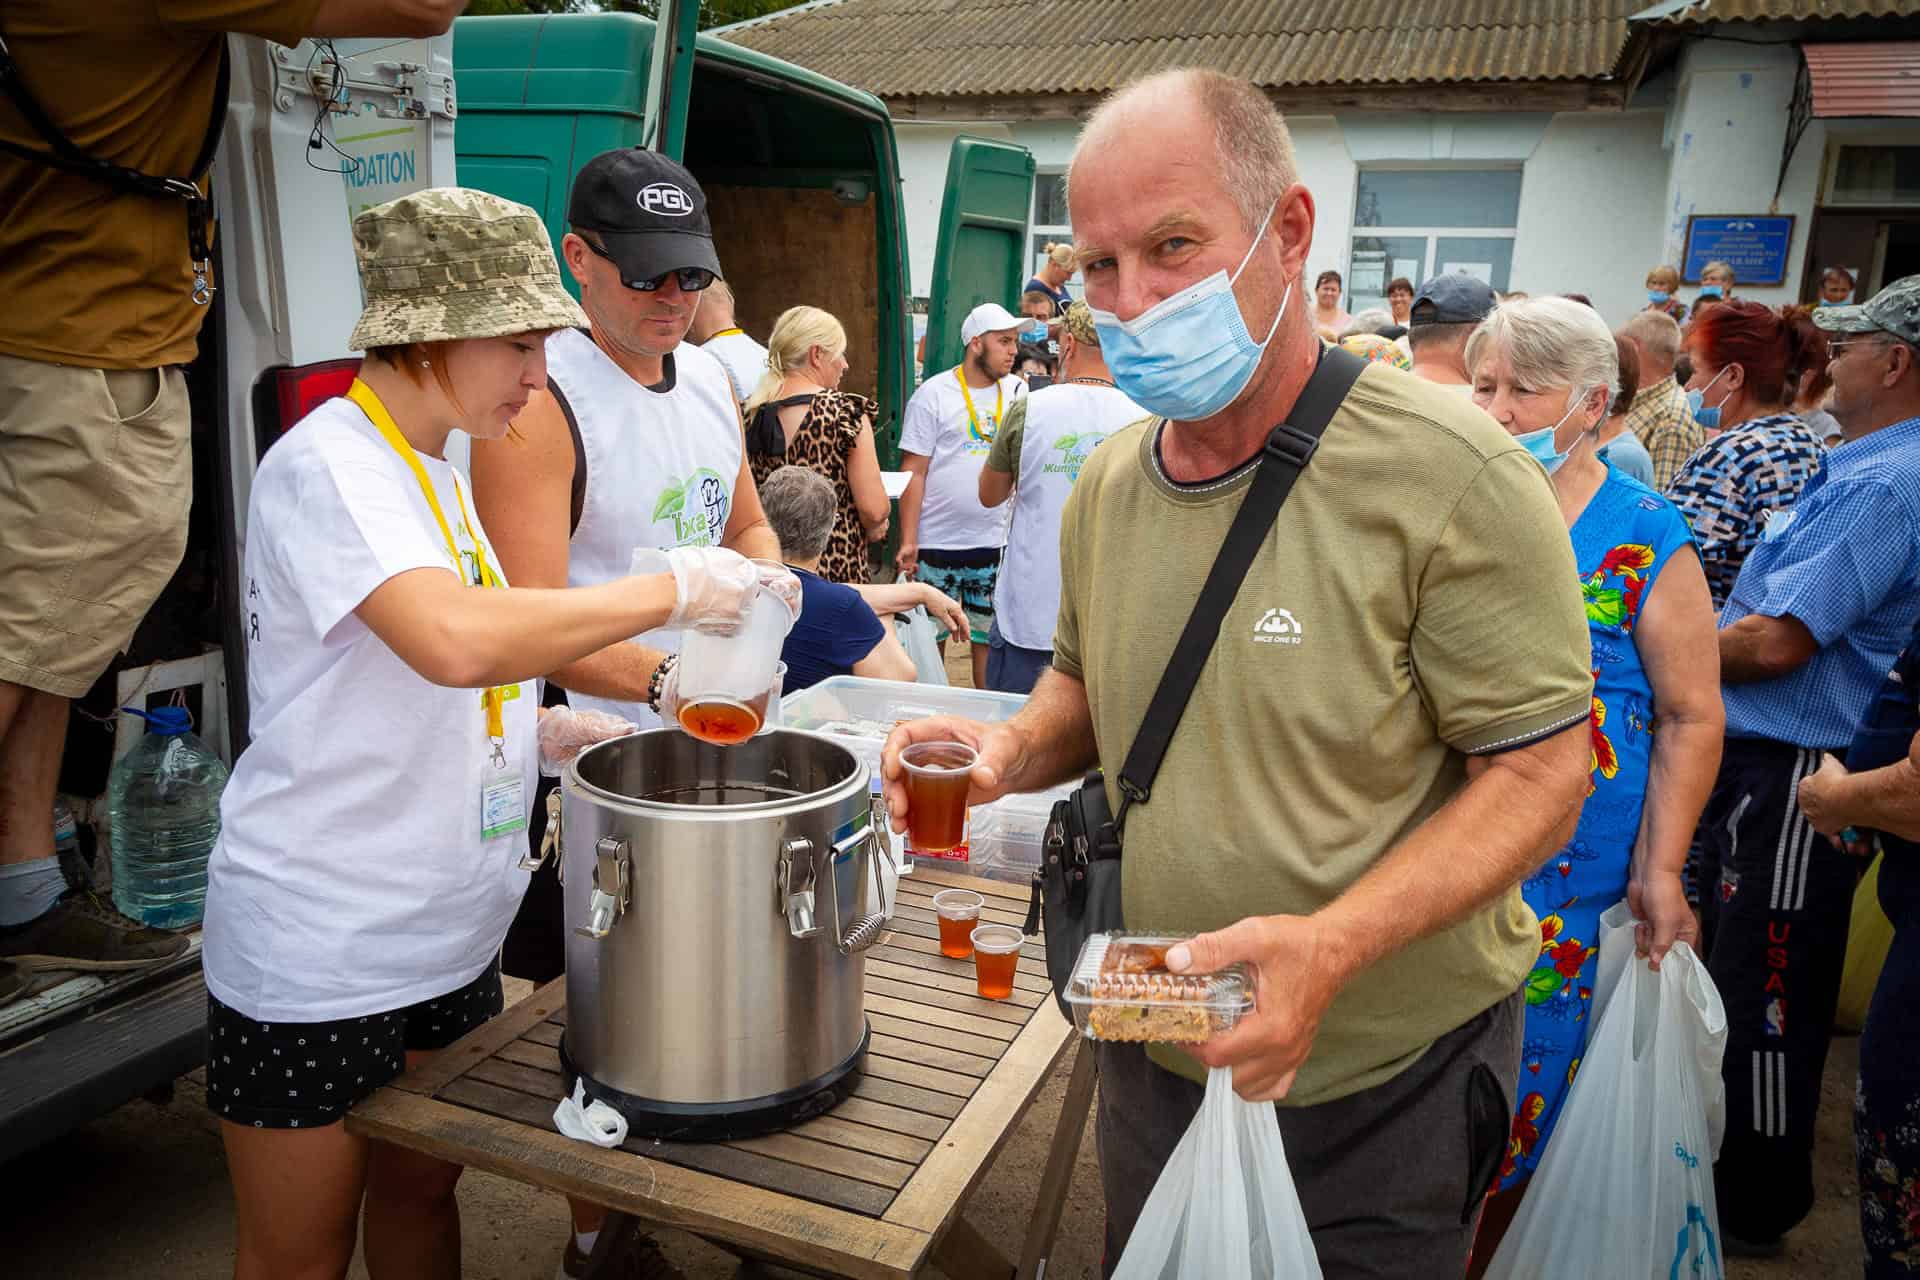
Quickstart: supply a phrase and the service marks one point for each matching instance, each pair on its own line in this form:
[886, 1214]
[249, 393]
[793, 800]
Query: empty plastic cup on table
[937, 781]
[958, 911]
[996, 953]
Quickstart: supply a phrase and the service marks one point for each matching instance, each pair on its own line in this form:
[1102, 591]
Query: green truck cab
[801, 176]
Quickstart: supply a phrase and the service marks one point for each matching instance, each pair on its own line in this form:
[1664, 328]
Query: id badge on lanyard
[503, 800]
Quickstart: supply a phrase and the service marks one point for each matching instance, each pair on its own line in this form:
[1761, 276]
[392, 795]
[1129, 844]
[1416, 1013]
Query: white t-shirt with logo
[938, 426]
[744, 359]
[661, 466]
[1064, 423]
[351, 876]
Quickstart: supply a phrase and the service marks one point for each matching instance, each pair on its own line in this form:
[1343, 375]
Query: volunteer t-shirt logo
[1277, 626]
[698, 507]
[666, 199]
[1074, 450]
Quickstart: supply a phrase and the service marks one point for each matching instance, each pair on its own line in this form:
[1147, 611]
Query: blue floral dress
[1621, 542]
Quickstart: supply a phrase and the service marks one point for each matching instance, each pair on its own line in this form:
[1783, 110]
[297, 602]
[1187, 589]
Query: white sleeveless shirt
[1064, 423]
[660, 469]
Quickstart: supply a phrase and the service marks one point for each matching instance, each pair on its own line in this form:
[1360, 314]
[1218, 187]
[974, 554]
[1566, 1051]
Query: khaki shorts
[95, 482]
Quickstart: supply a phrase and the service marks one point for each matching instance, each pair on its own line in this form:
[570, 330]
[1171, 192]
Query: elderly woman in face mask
[1547, 369]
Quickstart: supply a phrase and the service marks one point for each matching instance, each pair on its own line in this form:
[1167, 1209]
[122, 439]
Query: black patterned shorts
[302, 1075]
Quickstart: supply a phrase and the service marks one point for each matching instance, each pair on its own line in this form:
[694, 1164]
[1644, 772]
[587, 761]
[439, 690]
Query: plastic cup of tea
[958, 911]
[996, 952]
[727, 681]
[937, 781]
[778, 691]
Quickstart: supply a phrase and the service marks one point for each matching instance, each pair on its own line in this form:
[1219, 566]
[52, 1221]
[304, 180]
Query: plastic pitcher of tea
[727, 681]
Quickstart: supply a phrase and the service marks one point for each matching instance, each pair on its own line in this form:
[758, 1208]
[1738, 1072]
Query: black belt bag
[1078, 885]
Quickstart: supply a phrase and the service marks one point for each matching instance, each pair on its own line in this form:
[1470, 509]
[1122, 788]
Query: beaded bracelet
[657, 685]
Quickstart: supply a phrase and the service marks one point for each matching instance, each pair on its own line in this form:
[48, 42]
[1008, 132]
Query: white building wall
[1726, 130]
[1590, 221]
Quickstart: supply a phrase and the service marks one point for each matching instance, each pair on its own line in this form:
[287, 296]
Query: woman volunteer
[1546, 370]
[368, 862]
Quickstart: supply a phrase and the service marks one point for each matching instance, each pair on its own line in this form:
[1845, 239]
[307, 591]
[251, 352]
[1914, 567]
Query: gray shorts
[1391, 1178]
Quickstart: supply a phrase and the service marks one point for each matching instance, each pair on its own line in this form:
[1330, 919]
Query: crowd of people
[1557, 616]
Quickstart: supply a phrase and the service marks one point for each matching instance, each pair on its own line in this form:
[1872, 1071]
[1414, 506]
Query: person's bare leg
[30, 748]
[979, 653]
[586, 1217]
[296, 1196]
[413, 1216]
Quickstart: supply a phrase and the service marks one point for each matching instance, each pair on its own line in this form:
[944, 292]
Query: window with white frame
[1419, 223]
[1050, 223]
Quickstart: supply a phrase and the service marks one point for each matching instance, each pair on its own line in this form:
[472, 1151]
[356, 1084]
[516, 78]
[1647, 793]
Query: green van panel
[980, 253]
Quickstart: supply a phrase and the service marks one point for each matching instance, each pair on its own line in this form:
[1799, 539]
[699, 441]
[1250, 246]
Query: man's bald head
[1250, 140]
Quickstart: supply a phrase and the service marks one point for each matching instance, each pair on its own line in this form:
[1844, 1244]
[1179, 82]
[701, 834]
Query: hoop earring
[426, 364]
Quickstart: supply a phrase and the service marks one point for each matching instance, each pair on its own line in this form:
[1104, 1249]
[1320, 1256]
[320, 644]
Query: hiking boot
[83, 933]
[640, 1260]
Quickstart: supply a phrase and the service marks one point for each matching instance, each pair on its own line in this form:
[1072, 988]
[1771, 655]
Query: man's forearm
[1762, 648]
[1885, 799]
[620, 671]
[756, 541]
[1499, 828]
[910, 500]
[1055, 729]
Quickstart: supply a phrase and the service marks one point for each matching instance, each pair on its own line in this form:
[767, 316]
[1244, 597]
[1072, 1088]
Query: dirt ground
[142, 1194]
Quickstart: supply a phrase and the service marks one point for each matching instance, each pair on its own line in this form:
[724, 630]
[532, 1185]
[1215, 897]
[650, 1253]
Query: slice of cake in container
[1120, 990]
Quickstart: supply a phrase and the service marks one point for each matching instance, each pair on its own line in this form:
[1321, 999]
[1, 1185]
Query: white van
[313, 135]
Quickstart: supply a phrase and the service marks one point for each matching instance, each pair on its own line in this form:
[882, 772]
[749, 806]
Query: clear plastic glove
[564, 733]
[782, 582]
[713, 588]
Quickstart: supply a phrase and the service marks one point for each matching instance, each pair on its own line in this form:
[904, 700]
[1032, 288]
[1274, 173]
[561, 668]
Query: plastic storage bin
[859, 713]
[1007, 836]
[1120, 990]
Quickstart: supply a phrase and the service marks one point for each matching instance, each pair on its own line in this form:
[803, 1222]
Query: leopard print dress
[822, 442]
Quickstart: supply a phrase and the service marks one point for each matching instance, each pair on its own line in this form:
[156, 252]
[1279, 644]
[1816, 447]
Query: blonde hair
[1664, 272]
[798, 331]
[1718, 268]
[1061, 256]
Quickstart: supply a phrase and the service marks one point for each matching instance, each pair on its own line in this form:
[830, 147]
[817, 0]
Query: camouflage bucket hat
[1079, 322]
[1894, 310]
[450, 263]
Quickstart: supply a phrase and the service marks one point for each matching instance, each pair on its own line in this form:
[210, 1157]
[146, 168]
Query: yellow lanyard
[363, 395]
[721, 333]
[973, 417]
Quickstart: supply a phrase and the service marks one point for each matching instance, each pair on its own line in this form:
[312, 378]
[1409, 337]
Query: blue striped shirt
[1845, 561]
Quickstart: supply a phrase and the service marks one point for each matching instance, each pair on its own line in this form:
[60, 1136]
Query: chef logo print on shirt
[698, 507]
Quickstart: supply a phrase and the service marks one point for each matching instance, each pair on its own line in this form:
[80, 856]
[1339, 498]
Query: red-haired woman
[1759, 454]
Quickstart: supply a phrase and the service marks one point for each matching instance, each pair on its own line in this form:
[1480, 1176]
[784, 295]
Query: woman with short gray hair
[837, 633]
[1547, 370]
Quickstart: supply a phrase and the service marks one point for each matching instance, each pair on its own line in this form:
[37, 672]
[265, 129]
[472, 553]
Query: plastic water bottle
[164, 798]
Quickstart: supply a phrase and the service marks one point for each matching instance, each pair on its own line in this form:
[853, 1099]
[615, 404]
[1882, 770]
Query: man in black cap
[635, 443]
[1444, 313]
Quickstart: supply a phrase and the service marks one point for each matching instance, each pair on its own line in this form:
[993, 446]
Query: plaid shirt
[1663, 420]
[1728, 488]
[1845, 561]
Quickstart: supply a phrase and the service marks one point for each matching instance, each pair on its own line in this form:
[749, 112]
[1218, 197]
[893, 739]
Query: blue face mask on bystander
[1709, 290]
[1189, 356]
[1540, 443]
[1708, 416]
[1037, 333]
[1658, 295]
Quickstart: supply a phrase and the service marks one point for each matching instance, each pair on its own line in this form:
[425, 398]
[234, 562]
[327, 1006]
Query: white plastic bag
[917, 636]
[1224, 1207]
[1625, 1189]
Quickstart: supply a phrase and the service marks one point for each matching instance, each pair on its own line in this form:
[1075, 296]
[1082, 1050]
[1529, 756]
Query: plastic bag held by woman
[1225, 1207]
[1635, 1147]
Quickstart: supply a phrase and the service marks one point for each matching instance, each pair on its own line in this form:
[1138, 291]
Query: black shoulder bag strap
[64, 155]
[1287, 452]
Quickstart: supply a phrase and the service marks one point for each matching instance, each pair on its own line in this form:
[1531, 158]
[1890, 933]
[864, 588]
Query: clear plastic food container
[1121, 990]
[1007, 836]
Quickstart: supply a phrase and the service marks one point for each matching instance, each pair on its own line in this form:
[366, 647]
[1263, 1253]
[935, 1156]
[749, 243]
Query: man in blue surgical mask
[1387, 735]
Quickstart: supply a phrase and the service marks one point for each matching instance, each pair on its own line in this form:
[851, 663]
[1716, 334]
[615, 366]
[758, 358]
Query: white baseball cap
[988, 317]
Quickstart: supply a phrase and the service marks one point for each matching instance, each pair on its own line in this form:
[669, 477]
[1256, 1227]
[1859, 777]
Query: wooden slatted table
[872, 1188]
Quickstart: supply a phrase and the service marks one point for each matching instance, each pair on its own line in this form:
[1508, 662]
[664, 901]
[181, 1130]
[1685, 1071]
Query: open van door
[981, 253]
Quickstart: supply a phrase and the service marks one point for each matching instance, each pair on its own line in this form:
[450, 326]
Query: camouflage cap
[1894, 310]
[449, 263]
[1079, 322]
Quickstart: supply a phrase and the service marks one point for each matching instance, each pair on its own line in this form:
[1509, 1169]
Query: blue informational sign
[1755, 245]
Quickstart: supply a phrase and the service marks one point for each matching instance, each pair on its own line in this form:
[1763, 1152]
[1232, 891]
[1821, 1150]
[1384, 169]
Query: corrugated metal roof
[1688, 13]
[1877, 78]
[897, 48]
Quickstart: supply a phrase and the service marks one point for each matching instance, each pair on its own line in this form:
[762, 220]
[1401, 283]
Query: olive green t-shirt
[1416, 603]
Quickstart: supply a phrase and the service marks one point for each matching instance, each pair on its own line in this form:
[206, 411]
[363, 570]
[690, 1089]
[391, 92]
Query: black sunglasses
[692, 279]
